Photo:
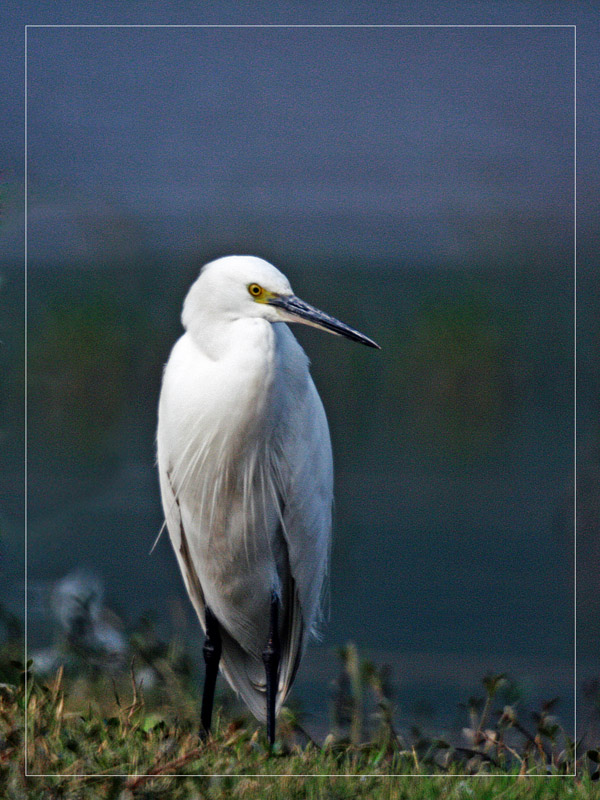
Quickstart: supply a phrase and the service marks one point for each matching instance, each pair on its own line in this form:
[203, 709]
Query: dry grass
[137, 748]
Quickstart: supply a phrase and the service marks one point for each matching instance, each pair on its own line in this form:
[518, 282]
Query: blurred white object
[78, 604]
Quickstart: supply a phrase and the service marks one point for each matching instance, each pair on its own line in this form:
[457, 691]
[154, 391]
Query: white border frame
[573, 27]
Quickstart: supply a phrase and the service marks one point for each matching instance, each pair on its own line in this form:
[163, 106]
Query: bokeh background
[417, 183]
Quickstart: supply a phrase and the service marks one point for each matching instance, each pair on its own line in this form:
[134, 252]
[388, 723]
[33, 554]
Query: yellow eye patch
[259, 294]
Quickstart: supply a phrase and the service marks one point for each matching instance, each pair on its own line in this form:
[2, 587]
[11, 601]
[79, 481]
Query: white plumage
[245, 467]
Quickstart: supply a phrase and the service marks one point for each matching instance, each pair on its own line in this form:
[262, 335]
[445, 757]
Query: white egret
[246, 477]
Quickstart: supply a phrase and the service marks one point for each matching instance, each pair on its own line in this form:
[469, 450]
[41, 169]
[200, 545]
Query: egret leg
[212, 656]
[271, 658]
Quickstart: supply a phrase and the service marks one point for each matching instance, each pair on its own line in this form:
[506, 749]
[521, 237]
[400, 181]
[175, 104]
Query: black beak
[299, 311]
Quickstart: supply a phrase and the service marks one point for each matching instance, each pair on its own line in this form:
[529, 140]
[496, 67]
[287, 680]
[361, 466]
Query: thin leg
[271, 657]
[212, 656]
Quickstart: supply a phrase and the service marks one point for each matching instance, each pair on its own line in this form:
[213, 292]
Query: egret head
[236, 287]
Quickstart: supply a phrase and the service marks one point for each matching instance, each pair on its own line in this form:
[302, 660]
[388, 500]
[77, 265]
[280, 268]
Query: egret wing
[304, 475]
[244, 672]
[179, 542]
[308, 477]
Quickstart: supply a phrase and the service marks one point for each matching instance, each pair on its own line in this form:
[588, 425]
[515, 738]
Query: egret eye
[255, 290]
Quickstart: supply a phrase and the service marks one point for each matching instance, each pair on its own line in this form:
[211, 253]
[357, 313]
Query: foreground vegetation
[116, 728]
[135, 748]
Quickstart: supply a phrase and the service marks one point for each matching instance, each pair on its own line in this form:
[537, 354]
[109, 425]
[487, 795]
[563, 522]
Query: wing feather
[304, 470]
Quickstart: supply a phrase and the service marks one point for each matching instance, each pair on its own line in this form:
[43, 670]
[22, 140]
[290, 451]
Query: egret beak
[297, 310]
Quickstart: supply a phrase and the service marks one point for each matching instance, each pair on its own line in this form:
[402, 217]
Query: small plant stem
[133, 783]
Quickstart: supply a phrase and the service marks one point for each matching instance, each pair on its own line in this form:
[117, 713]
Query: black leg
[271, 657]
[212, 656]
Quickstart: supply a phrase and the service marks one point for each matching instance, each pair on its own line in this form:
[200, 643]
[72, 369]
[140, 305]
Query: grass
[94, 731]
[138, 747]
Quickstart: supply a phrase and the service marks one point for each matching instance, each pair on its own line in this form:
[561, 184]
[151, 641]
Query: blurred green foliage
[460, 352]
[90, 358]
[455, 371]
[78, 370]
